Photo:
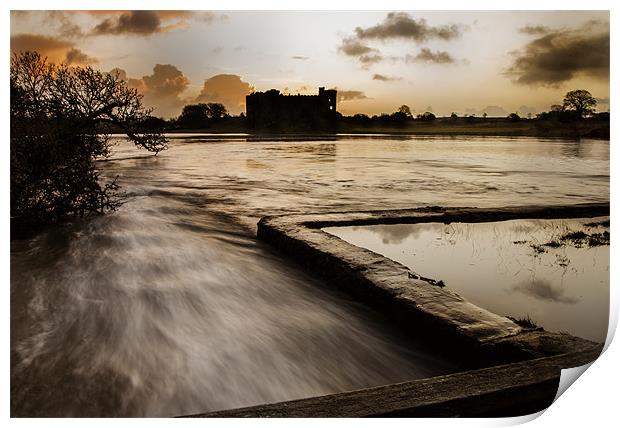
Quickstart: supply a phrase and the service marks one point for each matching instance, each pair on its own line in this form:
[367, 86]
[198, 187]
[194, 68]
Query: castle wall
[276, 111]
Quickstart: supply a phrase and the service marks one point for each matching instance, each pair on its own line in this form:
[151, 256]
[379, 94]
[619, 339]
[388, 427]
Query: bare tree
[61, 118]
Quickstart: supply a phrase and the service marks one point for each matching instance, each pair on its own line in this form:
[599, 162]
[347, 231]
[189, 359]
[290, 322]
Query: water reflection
[518, 268]
[545, 290]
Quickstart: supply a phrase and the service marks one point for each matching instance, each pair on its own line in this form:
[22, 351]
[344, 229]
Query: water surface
[169, 306]
[517, 268]
[247, 178]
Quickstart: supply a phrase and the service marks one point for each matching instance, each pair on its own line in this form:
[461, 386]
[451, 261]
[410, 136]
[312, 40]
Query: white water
[169, 306]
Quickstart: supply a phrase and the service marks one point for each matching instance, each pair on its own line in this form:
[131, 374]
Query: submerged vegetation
[582, 239]
[574, 238]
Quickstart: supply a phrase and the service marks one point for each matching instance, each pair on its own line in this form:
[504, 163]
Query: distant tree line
[400, 118]
[201, 116]
[577, 106]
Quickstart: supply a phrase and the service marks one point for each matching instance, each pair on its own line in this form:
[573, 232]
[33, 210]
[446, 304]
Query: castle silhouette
[273, 110]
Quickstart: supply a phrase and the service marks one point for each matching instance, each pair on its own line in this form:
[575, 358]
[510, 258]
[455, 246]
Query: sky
[467, 62]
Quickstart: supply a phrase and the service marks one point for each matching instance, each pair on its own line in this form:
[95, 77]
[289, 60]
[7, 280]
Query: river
[169, 306]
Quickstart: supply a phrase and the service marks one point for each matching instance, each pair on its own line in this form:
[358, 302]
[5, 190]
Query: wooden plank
[507, 390]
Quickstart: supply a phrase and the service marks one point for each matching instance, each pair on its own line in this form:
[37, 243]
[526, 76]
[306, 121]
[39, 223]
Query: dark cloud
[147, 22]
[367, 60]
[76, 56]
[352, 47]
[344, 96]
[560, 56]
[227, 89]
[544, 290]
[302, 58]
[426, 55]
[602, 100]
[401, 25]
[56, 50]
[140, 22]
[384, 78]
[534, 30]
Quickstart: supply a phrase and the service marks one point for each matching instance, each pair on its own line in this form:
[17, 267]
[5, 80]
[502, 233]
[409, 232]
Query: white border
[591, 401]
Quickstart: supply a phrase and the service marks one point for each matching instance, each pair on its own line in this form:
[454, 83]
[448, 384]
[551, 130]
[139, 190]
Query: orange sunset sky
[468, 62]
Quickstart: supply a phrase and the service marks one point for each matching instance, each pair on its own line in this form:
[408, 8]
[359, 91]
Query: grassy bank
[482, 127]
[523, 128]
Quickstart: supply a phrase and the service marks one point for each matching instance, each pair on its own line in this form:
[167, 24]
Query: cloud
[148, 22]
[205, 16]
[384, 78]
[227, 89]
[137, 84]
[302, 58]
[140, 22]
[534, 30]
[162, 90]
[426, 55]
[344, 96]
[353, 47]
[115, 22]
[401, 25]
[65, 27]
[561, 55]
[76, 56]
[56, 50]
[367, 60]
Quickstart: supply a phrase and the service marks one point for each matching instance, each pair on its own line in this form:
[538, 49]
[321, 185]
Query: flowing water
[169, 306]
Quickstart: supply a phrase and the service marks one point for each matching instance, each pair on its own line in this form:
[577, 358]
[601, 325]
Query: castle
[273, 110]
